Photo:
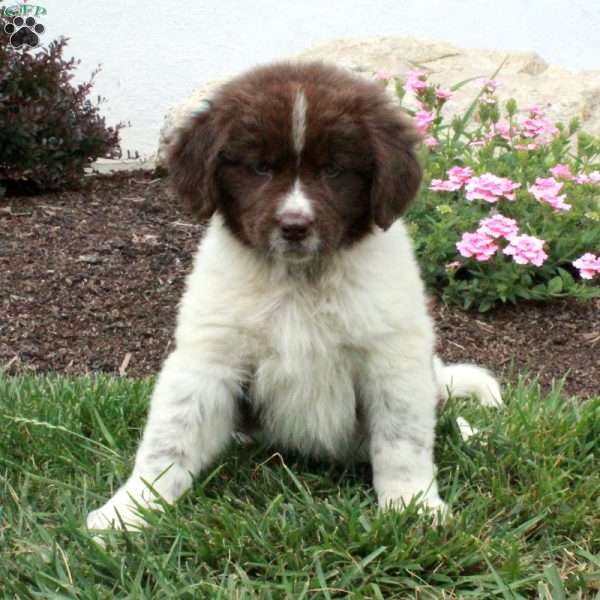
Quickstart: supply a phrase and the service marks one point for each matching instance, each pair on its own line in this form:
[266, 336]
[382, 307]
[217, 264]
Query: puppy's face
[299, 159]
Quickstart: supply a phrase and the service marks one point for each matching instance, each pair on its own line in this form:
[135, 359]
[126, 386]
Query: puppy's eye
[263, 169]
[331, 172]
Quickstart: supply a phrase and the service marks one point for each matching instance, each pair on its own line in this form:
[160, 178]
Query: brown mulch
[90, 281]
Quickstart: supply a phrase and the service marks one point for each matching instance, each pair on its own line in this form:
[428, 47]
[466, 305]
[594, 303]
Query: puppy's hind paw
[490, 394]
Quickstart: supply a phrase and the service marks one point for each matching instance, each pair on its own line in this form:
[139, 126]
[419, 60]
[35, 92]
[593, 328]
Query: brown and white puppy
[305, 297]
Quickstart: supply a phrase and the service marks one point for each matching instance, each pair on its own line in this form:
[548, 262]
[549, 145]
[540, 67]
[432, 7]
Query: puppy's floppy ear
[192, 161]
[397, 170]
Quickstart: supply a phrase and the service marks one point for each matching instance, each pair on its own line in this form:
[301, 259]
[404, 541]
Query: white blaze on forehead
[299, 121]
[296, 203]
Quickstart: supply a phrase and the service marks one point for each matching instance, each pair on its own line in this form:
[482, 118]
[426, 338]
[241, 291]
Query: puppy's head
[300, 159]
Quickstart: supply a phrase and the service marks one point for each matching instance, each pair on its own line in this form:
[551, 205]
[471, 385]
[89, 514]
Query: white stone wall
[155, 53]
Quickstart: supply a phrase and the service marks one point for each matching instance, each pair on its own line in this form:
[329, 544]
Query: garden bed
[91, 279]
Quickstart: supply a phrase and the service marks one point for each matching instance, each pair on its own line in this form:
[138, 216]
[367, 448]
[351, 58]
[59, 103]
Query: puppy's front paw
[120, 512]
[111, 516]
[429, 502]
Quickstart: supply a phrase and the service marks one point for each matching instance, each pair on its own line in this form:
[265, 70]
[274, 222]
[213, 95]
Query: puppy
[304, 307]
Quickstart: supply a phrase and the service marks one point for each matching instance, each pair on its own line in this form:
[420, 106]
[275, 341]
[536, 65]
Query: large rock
[524, 76]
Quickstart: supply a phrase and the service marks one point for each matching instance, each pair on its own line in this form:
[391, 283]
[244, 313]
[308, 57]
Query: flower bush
[510, 206]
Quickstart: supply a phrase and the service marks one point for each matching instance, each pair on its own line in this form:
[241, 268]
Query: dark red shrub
[49, 129]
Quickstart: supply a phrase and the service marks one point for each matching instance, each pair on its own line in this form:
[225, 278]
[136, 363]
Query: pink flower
[563, 171]
[498, 226]
[526, 249]
[491, 188]
[431, 142]
[460, 174]
[423, 121]
[537, 127]
[502, 128]
[530, 146]
[558, 202]
[443, 94]
[536, 110]
[457, 177]
[593, 177]
[588, 265]
[416, 81]
[477, 245]
[438, 185]
[489, 85]
[546, 189]
[545, 186]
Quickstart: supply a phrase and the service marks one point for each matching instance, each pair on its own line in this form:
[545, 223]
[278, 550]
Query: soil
[90, 281]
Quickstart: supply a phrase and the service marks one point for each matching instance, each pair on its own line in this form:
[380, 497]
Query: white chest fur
[304, 383]
[300, 342]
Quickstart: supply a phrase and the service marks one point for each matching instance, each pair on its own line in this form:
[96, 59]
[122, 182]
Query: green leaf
[464, 82]
[566, 277]
[555, 285]
[485, 305]
[553, 577]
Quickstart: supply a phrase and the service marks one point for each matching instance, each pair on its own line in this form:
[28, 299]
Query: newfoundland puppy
[304, 313]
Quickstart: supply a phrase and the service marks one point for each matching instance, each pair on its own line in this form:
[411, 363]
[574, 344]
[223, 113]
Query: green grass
[525, 496]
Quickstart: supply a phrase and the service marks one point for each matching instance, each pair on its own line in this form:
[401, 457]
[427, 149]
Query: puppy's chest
[306, 371]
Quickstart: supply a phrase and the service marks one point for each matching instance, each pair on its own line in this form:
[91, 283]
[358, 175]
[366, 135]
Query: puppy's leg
[401, 422]
[190, 422]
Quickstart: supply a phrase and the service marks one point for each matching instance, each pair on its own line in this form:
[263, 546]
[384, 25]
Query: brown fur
[358, 165]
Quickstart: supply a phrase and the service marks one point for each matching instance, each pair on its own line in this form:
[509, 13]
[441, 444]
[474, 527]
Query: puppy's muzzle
[295, 226]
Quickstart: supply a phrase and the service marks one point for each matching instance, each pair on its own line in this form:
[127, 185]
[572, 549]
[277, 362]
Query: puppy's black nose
[295, 228]
[294, 232]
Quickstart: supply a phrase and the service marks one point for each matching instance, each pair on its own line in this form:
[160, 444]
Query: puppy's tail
[467, 380]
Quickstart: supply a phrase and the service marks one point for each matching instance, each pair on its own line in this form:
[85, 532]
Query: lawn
[525, 495]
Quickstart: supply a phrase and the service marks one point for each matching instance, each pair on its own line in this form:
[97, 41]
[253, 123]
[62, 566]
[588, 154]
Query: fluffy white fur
[316, 343]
